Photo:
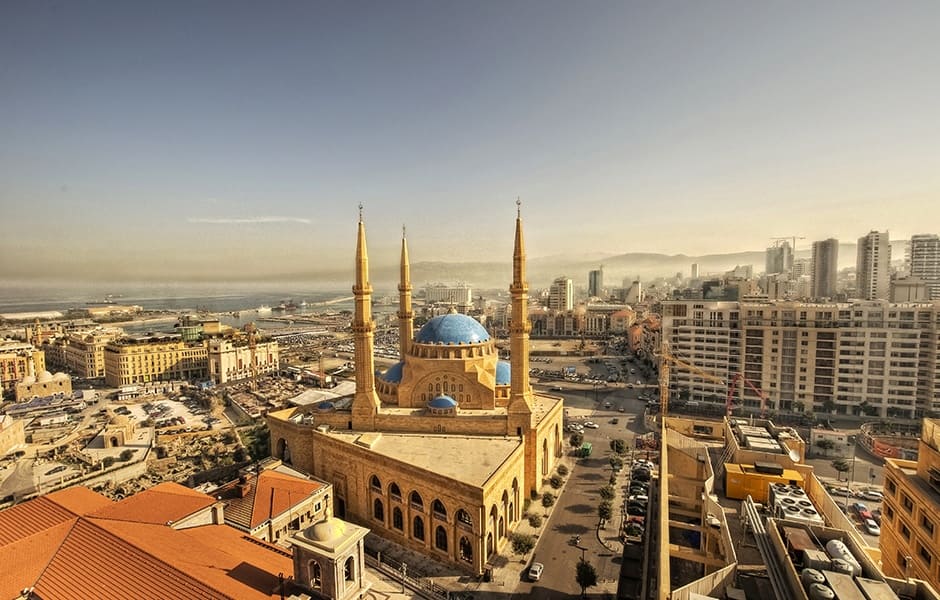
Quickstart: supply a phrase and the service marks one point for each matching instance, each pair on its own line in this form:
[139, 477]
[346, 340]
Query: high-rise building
[863, 357]
[596, 282]
[873, 266]
[925, 262]
[779, 258]
[824, 268]
[561, 294]
[458, 295]
[694, 270]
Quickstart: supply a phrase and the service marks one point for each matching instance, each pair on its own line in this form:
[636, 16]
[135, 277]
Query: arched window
[464, 517]
[378, 511]
[466, 550]
[394, 491]
[375, 484]
[416, 501]
[316, 576]
[349, 569]
[440, 538]
[397, 521]
[437, 507]
[417, 528]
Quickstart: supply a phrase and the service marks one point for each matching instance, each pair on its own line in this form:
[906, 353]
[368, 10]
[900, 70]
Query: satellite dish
[794, 455]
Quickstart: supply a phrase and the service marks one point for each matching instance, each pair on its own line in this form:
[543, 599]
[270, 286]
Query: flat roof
[469, 459]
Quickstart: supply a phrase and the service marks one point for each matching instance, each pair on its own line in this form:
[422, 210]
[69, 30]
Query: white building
[873, 266]
[561, 294]
[924, 262]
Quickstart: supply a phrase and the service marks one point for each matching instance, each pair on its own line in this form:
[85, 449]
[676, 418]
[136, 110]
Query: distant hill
[645, 265]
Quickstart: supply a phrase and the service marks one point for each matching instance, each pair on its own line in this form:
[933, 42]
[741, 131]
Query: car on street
[840, 491]
[535, 571]
[591, 425]
[871, 527]
[641, 498]
[872, 495]
[636, 510]
[575, 427]
[614, 421]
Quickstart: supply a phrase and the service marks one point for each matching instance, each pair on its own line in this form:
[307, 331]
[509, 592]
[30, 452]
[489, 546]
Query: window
[905, 532]
[375, 484]
[316, 575]
[397, 521]
[927, 524]
[924, 554]
[440, 538]
[907, 503]
[416, 501]
[378, 511]
[889, 513]
[394, 491]
[437, 507]
[891, 486]
[464, 517]
[349, 569]
[417, 528]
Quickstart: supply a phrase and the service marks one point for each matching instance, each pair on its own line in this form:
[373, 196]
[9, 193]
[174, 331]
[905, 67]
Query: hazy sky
[233, 140]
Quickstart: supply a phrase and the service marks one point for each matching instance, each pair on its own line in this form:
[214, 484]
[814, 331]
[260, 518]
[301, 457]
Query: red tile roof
[125, 550]
[270, 494]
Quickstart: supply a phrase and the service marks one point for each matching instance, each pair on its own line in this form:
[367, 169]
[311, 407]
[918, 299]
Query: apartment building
[910, 522]
[235, 359]
[133, 360]
[18, 360]
[460, 294]
[873, 266]
[596, 283]
[873, 358]
[561, 294]
[924, 259]
[81, 352]
[824, 268]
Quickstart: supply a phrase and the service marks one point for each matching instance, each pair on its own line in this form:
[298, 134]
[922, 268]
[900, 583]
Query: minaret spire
[520, 391]
[366, 401]
[405, 314]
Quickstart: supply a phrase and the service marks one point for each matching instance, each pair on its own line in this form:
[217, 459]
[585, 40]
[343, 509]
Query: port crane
[252, 331]
[665, 360]
[729, 403]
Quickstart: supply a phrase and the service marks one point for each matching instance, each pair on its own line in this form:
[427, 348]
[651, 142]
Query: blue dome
[326, 405]
[502, 373]
[452, 329]
[442, 402]
[393, 374]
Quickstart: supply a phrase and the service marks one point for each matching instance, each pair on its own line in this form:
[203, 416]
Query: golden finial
[403, 231]
[360, 212]
[518, 207]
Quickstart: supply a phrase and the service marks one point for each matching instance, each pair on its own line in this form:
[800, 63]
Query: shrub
[522, 543]
[556, 482]
[535, 520]
[562, 470]
[612, 480]
[548, 499]
[107, 461]
[127, 454]
[605, 510]
[607, 493]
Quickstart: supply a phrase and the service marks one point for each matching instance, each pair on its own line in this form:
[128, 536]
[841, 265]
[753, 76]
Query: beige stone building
[232, 359]
[439, 452]
[12, 435]
[82, 352]
[19, 360]
[910, 522]
[45, 384]
[132, 360]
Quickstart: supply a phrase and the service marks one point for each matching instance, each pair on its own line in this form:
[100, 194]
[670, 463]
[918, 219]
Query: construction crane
[729, 403]
[790, 238]
[665, 360]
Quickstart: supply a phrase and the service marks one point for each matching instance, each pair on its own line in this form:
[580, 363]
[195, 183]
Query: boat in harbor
[263, 309]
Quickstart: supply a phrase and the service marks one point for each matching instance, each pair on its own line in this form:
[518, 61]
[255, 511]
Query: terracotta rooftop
[269, 494]
[99, 549]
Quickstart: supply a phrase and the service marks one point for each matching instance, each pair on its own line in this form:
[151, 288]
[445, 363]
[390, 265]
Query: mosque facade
[439, 452]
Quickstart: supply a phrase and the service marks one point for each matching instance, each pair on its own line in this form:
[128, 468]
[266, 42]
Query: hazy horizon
[187, 143]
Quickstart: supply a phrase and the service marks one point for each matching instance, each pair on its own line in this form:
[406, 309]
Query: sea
[222, 299]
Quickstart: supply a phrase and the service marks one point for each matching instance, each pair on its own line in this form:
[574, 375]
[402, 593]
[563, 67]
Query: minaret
[520, 392]
[366, 402]
[405, 314]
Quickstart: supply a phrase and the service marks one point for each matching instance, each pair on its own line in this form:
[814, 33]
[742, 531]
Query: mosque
[439, 452]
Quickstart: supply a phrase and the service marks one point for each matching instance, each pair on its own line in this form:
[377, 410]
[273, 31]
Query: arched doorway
[490, 547]
[544, 457]
[465, 550]
[282, 451]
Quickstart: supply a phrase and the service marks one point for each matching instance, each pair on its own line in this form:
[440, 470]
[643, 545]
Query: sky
[236, 140]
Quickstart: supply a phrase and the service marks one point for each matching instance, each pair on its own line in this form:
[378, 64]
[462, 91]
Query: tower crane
[252, 332]
[731, 387]
[790, 238]
[665, 360]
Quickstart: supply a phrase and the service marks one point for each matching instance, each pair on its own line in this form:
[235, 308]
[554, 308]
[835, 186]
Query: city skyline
[161, 143]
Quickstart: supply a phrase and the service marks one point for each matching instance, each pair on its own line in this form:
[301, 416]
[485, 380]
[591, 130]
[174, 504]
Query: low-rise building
[19, 360]
[133, 360]
[45, 384]
[232, 359]
[12, 435]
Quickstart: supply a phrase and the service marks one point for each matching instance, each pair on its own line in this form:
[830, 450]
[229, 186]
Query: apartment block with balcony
[910, 523]
[232, 360]
[82, 352]
[18, 360]
[138, 360]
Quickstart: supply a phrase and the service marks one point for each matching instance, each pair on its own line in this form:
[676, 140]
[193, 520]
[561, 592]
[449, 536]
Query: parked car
[634, 509]
[591, 425]
[840, 491]
[872, 495]
[535, 571]
[871, 527]
[641, 474]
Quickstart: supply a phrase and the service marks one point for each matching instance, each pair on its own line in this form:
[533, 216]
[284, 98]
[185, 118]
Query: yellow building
[84, 350]
[234, 359]
[19, 360]
[440, 451]
[45, 384]
[12, 435]
[910, 522]
[154, 358]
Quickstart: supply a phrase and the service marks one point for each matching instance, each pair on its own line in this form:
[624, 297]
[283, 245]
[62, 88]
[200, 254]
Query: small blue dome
[502, 373]
[394, 372]
[442, 402]
[452, 328]
[325, 406]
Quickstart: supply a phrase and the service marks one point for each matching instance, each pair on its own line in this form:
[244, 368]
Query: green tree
[522, 543]
[841, 465]
[586, 575]
[828, 405]
[562, 470]
[616, 463]
[127, 454]
[605, 510]
[797, 406]
[618, 446]
[548, 499]
[535, 520]
[825, 444]
[107, 461]
[607, 492]
[576, 440]
[556, 482]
